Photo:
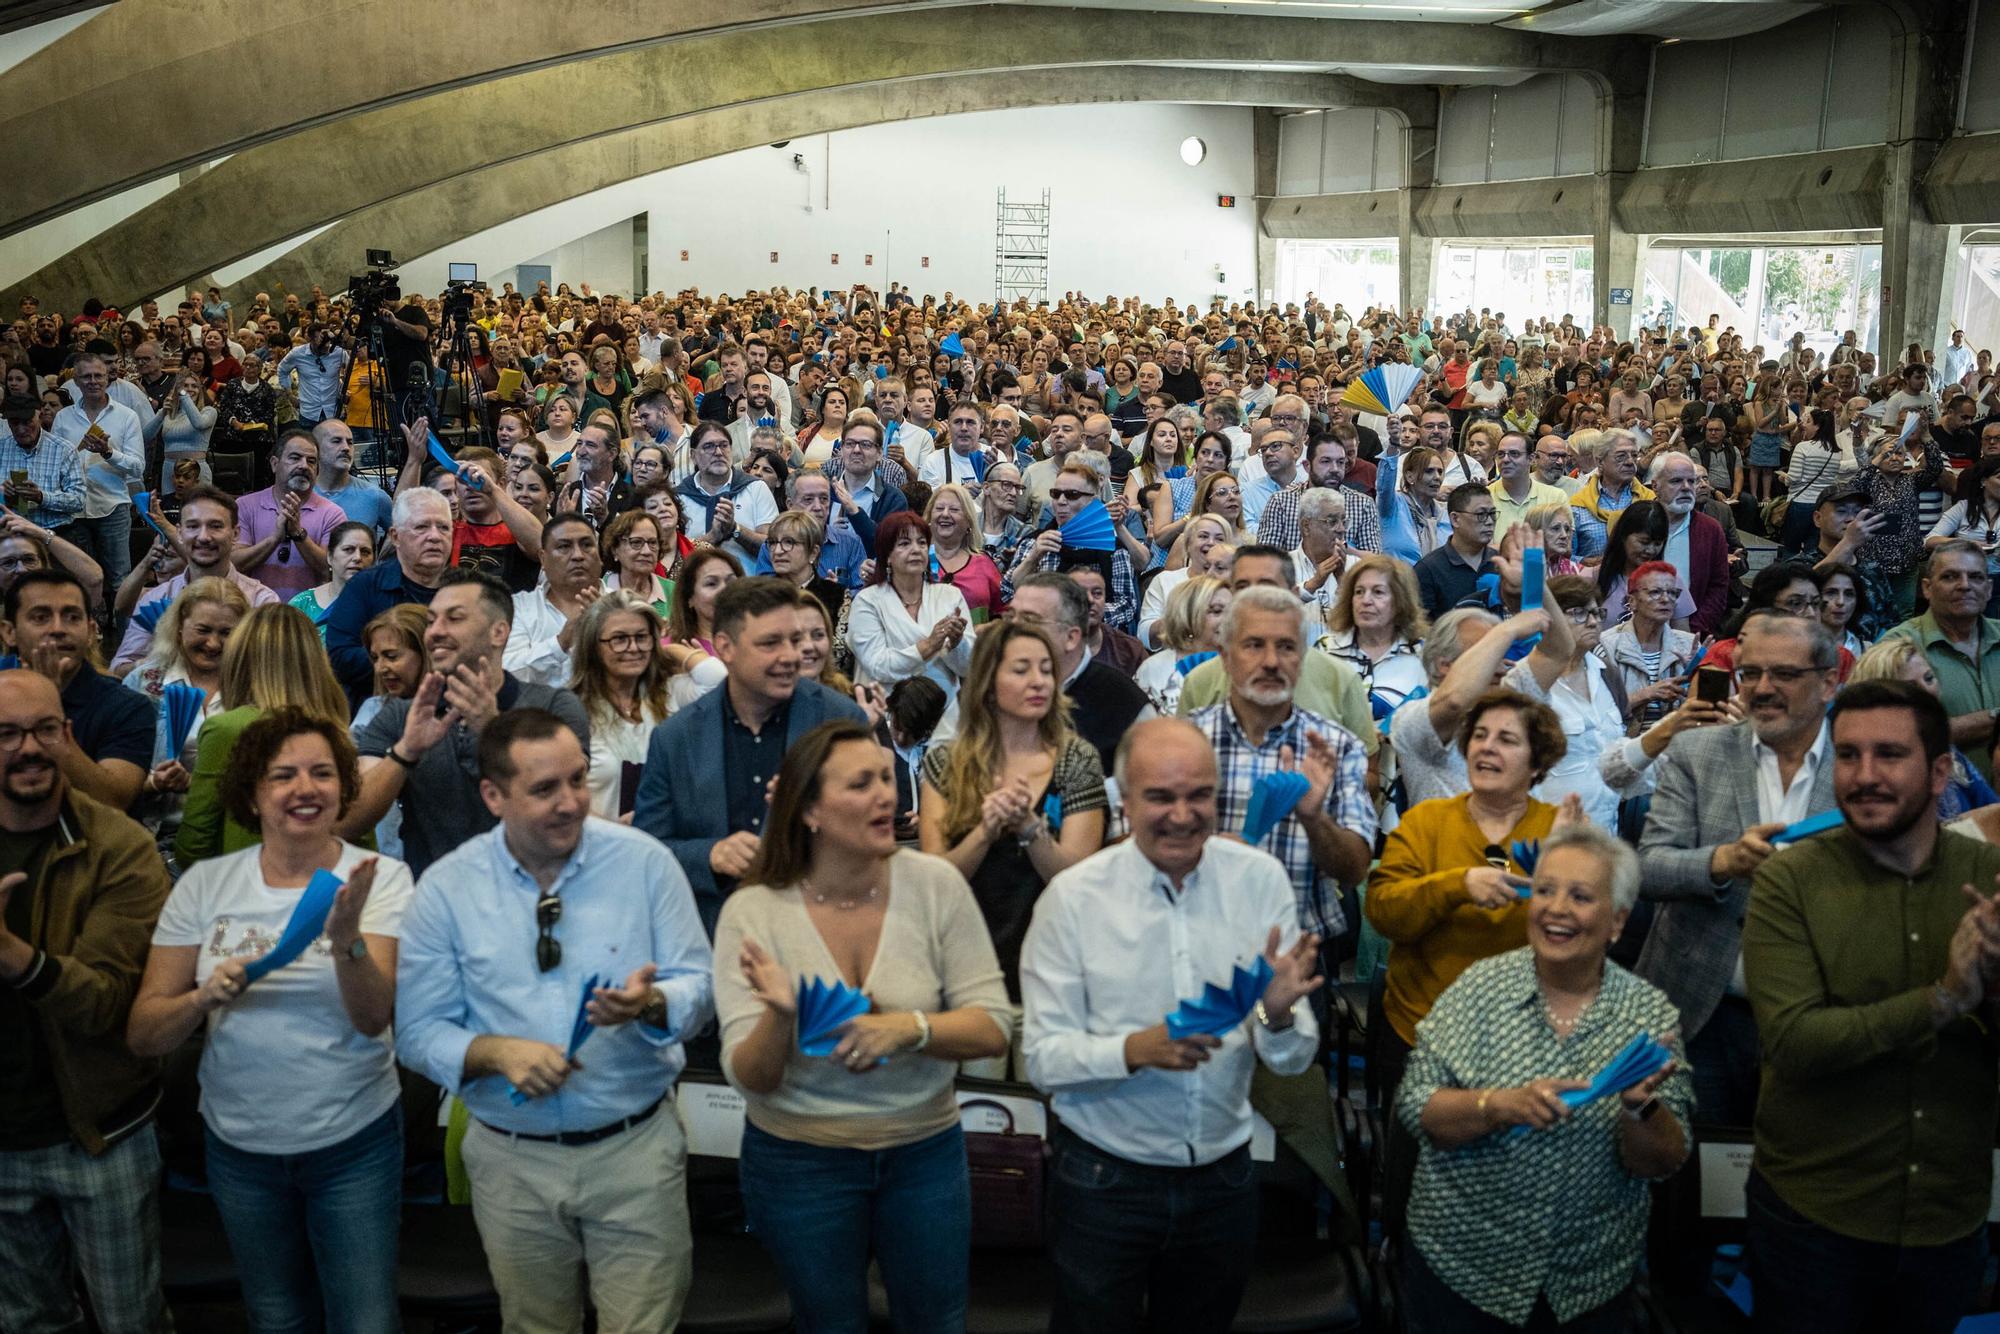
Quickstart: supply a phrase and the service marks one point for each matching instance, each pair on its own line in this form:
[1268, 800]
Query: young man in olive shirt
[1872, 957]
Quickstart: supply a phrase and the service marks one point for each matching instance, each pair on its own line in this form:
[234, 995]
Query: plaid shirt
[55, 467]
[1279, 526]
[1240, 763]
[1121, 605]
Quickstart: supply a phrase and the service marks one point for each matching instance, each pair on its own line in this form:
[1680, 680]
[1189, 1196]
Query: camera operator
[406, 350]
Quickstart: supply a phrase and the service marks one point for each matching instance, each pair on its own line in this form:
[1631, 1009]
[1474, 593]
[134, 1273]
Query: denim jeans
[1165, 1249]
[822, 1213]
[315, 1232]
[1808, 1279]
[108, 541]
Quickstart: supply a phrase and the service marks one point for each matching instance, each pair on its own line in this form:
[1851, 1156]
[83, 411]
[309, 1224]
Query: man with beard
[286, 526]
[1328, 460]
[424, 751]
[80, 888]
[360, 499]
[1872, 955]
[760, 409]
[1768, 771]
[208, 532]
[1177, 377]
[110, 747]
[1696, 544]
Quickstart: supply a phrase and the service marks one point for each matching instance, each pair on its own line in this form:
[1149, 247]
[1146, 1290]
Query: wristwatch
[654, 1015]
[358, 950]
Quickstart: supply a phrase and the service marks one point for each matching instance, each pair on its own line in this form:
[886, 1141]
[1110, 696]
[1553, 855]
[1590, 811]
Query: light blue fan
[1392, 383]
[143, 502]
[1812, 824]
[562, 462]
[180, 710]
[1052, 812]
[1175, 473]
[952, 345]
[1272, 798]
[1187, 662]
[1218, 1010]
[1637, 1062]
[1090, 529]
[579, 1029]
[308, 919]
[148, 614]
[824, 1007]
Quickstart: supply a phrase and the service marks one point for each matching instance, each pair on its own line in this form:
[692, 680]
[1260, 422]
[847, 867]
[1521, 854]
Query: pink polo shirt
[285, 571]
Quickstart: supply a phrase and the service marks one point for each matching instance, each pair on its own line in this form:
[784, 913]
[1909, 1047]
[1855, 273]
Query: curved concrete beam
[81, 118]
[419, 223]
[259, 197]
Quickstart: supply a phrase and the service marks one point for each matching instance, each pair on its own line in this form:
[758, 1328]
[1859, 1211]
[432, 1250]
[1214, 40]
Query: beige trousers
[615, 1210]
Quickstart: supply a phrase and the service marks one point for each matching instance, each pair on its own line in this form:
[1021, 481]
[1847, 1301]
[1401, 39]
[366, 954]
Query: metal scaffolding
[1020, 249]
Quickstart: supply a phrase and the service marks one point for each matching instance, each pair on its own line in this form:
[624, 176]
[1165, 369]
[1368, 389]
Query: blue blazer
[681, 803]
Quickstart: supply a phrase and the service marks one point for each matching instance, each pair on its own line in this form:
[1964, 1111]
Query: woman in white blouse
[620, 674]
[1191, 623]
[298, 1072]
[903, 625]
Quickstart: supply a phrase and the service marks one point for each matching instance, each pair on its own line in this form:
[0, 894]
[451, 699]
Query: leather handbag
[1009, 1173]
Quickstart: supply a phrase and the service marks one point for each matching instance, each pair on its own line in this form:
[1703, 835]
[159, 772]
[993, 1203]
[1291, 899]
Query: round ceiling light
[1193, 151]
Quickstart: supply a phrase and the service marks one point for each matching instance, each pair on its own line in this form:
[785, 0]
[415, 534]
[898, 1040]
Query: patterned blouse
[1507, 1219]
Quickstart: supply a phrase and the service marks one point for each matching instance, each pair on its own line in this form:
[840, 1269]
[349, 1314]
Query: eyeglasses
[46, 734]
[1585, 615]
[1784, 676]
[1799, 605]
[625, 640]
[548, 950]
[640, 543]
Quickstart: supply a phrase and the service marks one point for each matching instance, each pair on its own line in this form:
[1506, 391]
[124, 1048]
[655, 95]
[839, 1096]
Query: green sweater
[207, 830]
[1871, 1120]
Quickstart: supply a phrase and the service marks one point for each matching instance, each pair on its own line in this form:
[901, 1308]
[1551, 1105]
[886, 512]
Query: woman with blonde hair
[620, 675]
[1017, 797]
[187, 649]
[1190, 623]
[273, 660]
[956, 557]
[1558, 529]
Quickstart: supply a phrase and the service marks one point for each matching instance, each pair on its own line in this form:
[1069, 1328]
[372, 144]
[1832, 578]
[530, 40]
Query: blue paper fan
[1052, 812]
[952, 345]
[1272, 798]
[1392, 383]
[1390, 720]
[1187, 662]
[823, 1008]
[10, 662]
[1687, 672]
[307, 921]
[1175, 473]
[1217, 1010]
[579, 1029]
[1639, 1060]
[1090, 529]
[148, 614]
[444, 460]
[1227, 345]
[562, 462]
[143, 502]
[1812, 824]
[180, 710]
[1534, 576]
[1488, 588]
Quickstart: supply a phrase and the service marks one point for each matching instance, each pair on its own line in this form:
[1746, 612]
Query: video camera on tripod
[461, 282]
[369, 292]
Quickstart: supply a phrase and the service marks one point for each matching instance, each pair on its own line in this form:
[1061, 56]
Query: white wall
[1128, 216]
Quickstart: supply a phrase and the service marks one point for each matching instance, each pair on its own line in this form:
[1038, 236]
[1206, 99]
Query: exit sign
[1225, 201]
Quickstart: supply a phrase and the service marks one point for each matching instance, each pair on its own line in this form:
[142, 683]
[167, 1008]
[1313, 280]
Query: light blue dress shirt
[1114, 949]
[467, 969]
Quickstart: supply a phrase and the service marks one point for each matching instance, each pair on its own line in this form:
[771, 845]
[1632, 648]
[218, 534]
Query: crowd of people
[656, 665]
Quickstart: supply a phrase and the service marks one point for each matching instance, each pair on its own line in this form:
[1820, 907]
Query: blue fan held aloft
[1272, 798]
[1218, 1010]
[1637, 1062]
[579, 1029]
[952, 345]
[307, 921]
[823, 1009]
[1389, 720]
[1187, 662]
[444, 460]
[143, 502]
[1090, 529]
[180, 710]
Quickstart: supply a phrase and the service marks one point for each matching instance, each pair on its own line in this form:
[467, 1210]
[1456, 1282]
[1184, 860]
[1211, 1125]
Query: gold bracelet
[1480, 1106]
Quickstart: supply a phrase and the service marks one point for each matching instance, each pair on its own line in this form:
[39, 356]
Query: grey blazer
[1705, 795]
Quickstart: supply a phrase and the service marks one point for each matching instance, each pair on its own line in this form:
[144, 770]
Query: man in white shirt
[1117, 942]
[546, 617]
[729, 507]
[965, 458]
[1957, 361]
[111, 439]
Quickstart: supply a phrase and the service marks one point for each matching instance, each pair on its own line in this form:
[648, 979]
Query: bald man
[80, 888]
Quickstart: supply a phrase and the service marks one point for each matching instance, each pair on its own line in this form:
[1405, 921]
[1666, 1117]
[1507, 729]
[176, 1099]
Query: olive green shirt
[1871, 1122]
[1965, 684]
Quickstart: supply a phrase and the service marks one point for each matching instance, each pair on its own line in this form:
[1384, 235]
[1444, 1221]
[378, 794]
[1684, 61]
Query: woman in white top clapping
[902, 624]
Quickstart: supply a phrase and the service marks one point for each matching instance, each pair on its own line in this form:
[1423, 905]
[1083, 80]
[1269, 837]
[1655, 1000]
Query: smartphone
[19, 477]
[1711, 685]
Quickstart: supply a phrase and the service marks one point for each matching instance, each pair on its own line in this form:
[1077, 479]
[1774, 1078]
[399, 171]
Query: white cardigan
[884, 638]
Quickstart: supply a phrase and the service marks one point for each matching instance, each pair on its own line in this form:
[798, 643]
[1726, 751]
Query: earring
[813, 829]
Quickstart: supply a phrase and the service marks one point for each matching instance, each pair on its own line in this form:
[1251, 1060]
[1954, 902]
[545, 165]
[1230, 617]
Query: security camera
[799, 160]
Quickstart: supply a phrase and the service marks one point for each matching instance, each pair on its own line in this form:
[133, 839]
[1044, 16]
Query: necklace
[822, 898]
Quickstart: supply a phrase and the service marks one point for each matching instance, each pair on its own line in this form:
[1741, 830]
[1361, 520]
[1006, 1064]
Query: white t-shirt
[755, 508]
[283, 1070]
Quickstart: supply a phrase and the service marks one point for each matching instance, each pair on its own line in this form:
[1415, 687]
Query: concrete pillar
[1923, 87]
[1415, 252]
[1621, 125]
[1264, 188]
